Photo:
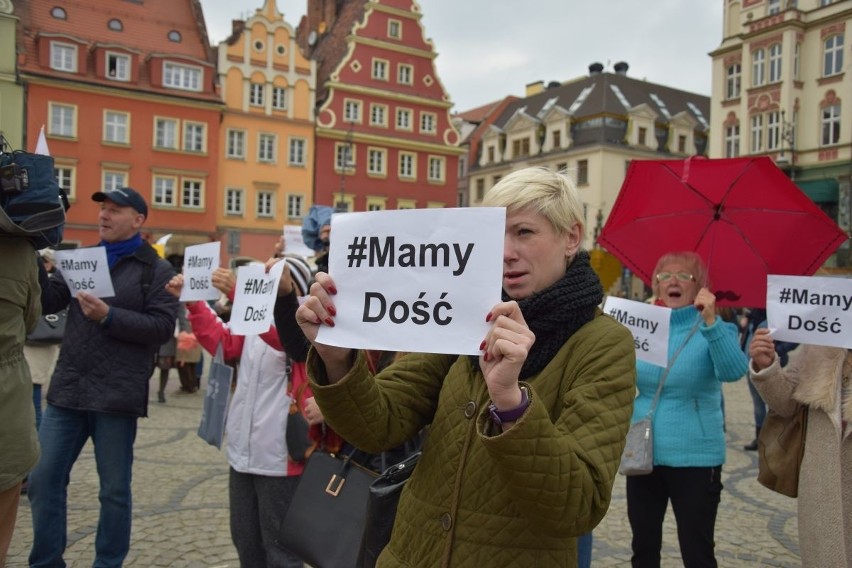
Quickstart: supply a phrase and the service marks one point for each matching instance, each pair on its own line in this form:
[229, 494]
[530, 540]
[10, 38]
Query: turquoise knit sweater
[688, 422]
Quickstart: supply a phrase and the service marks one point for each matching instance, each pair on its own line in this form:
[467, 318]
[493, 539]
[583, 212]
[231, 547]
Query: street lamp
[788, 136]
[347, 163]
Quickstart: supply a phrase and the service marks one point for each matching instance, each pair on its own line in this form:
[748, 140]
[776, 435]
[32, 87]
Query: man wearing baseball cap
[100, 386]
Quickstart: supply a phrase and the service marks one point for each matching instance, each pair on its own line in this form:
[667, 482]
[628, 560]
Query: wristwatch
[498, 417]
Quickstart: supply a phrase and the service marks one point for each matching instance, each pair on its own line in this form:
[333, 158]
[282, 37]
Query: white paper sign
[86, 270]
[416, 279]
[293, 242]
[815, 310]
[254, 298]
[649, 325]
[199, 262]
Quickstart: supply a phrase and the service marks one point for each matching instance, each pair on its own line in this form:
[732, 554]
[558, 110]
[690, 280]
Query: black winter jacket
[106, 368]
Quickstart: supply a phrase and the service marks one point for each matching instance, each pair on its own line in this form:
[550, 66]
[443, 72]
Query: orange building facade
[384, 138]
[267, 134]
[126, 100]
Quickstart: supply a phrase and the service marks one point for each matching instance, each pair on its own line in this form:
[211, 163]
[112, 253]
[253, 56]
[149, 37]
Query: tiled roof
[478, 114]
[614, 94]
[146, 25]
[332, 46]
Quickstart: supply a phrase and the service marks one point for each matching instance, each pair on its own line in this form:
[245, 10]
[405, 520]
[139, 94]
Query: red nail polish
[482, 345]
[329, 322]
[330, 309]
[488, 317]
[487, 356]
[332, 289]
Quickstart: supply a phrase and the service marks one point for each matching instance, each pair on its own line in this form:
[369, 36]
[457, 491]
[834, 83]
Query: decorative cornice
[392, 47]
[378, 93]
[398, 143]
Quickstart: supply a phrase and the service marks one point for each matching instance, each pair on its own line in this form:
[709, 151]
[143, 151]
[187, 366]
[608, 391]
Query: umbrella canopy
[743, 216]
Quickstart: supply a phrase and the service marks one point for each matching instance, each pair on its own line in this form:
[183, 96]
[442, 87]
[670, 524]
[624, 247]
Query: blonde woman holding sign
[525, 439]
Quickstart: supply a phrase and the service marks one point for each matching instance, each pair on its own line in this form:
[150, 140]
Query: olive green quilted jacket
[480, 497]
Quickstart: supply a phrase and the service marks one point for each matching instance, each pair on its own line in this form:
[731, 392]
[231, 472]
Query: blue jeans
[759, 405]
[62, 435]
[584, 551]
[37, 404]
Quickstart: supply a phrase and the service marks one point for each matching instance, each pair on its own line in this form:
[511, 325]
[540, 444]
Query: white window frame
[340, 149]
[63, 120]
[377, 161]
[733, 81]
[437, 171]
[164, 190]
[183, 77]
[832, 55]
[351, 111]
[394, 25]
[66, 177]
[404, 119]
[379, 115]
[256, 91]
[756, 131]
[380, 69]
[121, 66]
[63, 57]
[830, 125]
[116, 127]
[192, 193]
[235, 143]
[296, 154]
[279, 98]
[758, 67]
[407, 165]
[773, 130]
[405, 74]
[194, 137]
[797, 61]
[428, 123]
[113, 179]
[775, 62]
[265, 204]
[773, 7]
[732, 141]
[162, 135]
[267, 147]
[295, 205]
[235, 201]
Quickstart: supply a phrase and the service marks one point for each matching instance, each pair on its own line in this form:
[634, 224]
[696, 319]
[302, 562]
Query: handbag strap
[668, 367]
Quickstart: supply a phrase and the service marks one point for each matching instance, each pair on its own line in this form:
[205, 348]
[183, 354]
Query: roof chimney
[621, 67]
[534, 88]
[596, 68]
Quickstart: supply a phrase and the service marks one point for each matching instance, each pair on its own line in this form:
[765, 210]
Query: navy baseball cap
[124, 196]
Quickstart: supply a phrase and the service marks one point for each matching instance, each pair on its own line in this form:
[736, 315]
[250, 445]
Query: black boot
[752, 447]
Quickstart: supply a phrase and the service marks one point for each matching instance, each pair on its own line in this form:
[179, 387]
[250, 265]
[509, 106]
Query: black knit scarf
[556, 313]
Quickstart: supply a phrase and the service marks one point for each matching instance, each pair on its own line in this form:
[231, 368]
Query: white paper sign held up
[199, 262]
[86, 270]
[254, 299]
[815, 310]
[649, 325]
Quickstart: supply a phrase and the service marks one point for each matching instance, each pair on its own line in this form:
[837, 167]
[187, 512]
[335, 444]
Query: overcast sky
[488, 49]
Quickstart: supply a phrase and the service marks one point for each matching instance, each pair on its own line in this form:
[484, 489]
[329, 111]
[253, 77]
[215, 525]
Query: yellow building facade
[267, 134]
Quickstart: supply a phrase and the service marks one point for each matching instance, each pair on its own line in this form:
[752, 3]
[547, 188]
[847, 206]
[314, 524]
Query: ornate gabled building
[127, 98]
[267, 133]
[781, 89]
[384, 139]
[592, 127]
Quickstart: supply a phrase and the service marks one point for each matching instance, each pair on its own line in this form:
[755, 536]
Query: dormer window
[182, 77]
[63, 57]
[115, 25]
[59, 13]
[175, 36]
[118, 66]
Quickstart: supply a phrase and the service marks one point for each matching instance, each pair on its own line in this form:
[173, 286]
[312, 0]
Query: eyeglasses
[682, 276]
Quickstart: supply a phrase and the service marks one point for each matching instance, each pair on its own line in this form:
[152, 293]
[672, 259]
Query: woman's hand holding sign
[506, 348]
[317, 310]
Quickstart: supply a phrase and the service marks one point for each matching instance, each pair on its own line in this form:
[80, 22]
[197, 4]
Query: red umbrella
[742, 215]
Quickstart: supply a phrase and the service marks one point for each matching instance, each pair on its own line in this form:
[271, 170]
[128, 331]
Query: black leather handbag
[325, 521]
[381, 509]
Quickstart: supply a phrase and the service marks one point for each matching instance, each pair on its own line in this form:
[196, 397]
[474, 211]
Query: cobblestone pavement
[180, 507]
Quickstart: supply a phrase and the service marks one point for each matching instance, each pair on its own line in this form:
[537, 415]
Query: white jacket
[257, 416]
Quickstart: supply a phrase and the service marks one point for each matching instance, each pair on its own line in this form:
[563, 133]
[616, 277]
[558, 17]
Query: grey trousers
[258, 505]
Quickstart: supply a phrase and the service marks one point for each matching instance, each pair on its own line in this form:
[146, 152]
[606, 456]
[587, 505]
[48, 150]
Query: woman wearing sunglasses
[688, 426]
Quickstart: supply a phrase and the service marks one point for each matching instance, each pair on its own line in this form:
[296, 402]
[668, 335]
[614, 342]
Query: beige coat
[819, 377]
